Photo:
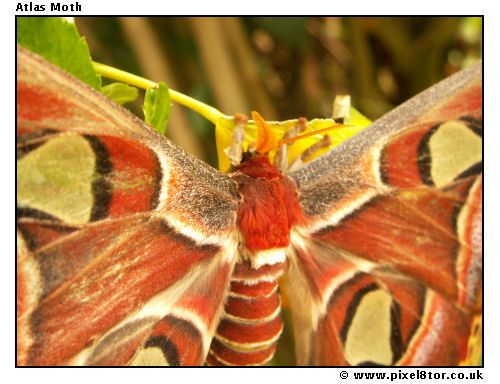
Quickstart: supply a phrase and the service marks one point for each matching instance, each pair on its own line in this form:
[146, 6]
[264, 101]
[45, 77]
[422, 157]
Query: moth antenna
[235, 151]
[326, 141]
[266, 139]
[281, 157]
[308, 134]
[290, 136]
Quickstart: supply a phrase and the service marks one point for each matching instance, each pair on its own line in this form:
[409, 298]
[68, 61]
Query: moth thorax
[268, 208]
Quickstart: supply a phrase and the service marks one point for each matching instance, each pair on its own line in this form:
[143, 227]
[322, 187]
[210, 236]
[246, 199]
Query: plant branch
[210, 113]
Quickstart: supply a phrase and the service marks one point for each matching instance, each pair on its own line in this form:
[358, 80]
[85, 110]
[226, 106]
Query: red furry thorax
[269, 204]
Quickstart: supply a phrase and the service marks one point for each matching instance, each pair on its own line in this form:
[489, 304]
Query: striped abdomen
[251, 325]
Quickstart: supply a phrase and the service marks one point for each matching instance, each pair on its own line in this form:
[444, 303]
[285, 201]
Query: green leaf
[157, 107]
[120, 93]
[59, 42]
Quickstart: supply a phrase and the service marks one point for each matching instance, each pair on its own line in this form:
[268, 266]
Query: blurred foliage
[57, 40]
[284, 67]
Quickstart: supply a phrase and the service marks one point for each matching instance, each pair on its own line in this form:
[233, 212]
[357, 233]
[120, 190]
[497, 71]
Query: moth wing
[124, 240]
[390, 261]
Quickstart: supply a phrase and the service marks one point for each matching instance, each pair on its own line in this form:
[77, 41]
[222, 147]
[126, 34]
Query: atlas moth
[132, 252]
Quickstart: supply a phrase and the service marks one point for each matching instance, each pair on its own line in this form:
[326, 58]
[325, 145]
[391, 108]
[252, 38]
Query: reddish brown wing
[124, 240]
[389, 268]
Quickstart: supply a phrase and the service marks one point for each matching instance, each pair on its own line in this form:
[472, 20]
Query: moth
[132, 252]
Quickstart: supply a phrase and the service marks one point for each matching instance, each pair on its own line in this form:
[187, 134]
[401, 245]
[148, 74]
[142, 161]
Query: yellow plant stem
[210, 113]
